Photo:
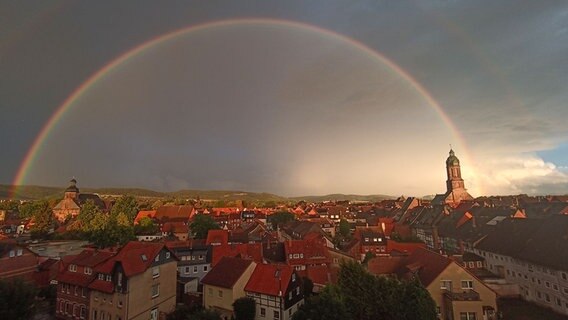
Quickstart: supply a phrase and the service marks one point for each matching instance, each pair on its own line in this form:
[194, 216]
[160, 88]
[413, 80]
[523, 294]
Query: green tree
[89, 211]
[344, 228]
[328, 305]
[280, 218]
[28, 209]
[17, 298]
[145, 226]
[201, 225]
[43, 220]
[126, 204]
[418, 303]
[245, 308]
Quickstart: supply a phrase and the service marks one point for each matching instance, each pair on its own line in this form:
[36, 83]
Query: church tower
[72, 192]
[455, 181]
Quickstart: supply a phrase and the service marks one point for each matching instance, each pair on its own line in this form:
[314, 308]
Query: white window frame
[468, 284]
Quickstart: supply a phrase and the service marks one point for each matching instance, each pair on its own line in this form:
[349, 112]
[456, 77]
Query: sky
[286, 97]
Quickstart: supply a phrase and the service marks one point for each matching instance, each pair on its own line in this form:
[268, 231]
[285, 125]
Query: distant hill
[340, 197]
[40, 192]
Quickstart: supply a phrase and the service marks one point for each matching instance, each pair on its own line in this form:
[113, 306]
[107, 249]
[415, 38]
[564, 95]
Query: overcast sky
[288, 109]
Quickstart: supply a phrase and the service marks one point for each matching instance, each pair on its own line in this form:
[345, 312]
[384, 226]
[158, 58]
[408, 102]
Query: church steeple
[72, 191]
[453, 171]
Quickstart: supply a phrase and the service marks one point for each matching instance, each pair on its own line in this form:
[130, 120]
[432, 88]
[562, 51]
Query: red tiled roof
[175, 227]
[250, 251]
[227, 272]
[102, 285]
[173, 212]
[428, 264]
[404, 247]
[143, 214]
[385, 264]
[131, 256]
[321, 275]
[76, 278]
[217, 237]
[270, 279]
[313, 251]
[91, 257]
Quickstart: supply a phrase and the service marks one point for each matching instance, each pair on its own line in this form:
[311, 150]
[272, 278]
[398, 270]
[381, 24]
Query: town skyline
[288, 99]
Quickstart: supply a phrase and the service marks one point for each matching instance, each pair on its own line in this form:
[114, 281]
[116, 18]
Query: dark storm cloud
[499, 70]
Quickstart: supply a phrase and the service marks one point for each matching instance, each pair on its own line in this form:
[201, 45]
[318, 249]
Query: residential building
[533, 254]
[139, 282]
[277, 290]
[226, 283]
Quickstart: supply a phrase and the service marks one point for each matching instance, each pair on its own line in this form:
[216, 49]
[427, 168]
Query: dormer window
[73, 267]
[101, 276]
[108, 278]
[144, 258]
[157, 258]
[88, 270]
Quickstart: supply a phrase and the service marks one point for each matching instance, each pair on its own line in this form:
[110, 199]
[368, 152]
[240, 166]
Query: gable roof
[426, 264]
[135, 257]
[227, 272]
[270, 279]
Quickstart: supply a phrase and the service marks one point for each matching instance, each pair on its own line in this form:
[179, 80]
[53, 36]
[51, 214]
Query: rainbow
[121, 60]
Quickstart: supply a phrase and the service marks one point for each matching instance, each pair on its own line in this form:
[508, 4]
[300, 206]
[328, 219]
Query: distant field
[40, 192]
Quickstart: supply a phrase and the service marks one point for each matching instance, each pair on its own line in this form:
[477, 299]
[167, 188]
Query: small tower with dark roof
[72, 192]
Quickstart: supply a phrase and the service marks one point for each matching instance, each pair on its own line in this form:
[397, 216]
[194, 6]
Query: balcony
[466, 295]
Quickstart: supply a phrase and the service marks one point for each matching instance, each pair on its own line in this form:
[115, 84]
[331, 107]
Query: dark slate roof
[548, 244]
[226, 272]
[510, 236]
[83, 197]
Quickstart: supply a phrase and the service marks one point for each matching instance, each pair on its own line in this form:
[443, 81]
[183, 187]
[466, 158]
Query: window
[471, 264]
[290, 295]
[101, 276]
[154, 314]
[157, 258]
[76, 290]
[547, 297]
[61, 307]
[467, 284]
[19, 252]
[293, 277]
[155, 290]
[108, 278]
[210, 291]
[446, 284]
[167, 255]
[558, 302]
[263, 312]
[195, 269]
[547, 284]
[83, 312]
[297, 290]
[94, 314]
[88, 270]
[186, 270]
[12, 253]
[119, 303]
[205, 268]
[73, 267]
[200, 257]
[220, 294]
[479, 264]
[84, 292]
[564, 276]
[555, 286]
[276, 315]
[468, 316]
[155, 272]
